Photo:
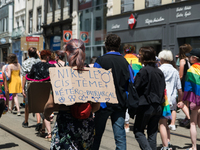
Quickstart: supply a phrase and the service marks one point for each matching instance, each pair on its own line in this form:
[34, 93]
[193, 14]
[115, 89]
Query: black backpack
[132, 101]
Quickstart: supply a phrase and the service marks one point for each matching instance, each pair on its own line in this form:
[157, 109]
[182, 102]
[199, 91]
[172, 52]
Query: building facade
[57, 17]
[6, 27]
[19, 22]
[162, 24]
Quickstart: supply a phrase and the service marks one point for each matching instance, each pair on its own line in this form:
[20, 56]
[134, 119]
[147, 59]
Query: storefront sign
[183, 11]
[3, 41]
[67, 35]
[115, 26]
[84, 37]
[70, 86]
[155, 20]
[27, 42]
[131, 21]
[32, 39]
[55, 42]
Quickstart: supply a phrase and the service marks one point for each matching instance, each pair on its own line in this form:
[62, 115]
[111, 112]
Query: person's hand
[180, 105]
[24, 93]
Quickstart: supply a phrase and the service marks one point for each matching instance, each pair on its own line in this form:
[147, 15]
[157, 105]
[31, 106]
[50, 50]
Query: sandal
[42, 132]
[48, 137]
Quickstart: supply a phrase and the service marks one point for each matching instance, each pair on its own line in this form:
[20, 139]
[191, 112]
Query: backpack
[132, 102]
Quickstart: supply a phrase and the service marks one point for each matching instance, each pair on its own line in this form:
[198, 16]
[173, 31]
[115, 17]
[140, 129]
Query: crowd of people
[161, 87]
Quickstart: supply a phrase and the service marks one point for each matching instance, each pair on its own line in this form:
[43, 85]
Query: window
[87, 25]
[50, 5]
[17, 23]
[22, 22]
[58, 4]
[98, 23]
[39, 18]
[127, 5]
[30, 21]
[66, 3]
[98, 2]
[5, 24]
[152, 3]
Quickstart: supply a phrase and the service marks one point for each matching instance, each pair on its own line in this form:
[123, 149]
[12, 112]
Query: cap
[194, 52]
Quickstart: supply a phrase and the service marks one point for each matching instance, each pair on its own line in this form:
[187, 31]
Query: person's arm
[23, 86]
[6, 89]
[181, 105]
[50, 107]
[181, 68]
[8, 72]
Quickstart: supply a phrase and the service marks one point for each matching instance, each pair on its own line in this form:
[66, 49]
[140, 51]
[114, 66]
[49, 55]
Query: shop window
[152, 3]
[98, 23]
[50, 5]
[66, 3]
[30, 21]
[127, 5]
[39, 18]
[58, 4]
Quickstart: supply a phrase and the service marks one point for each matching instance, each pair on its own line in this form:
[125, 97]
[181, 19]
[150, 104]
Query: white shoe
[172, 127]
[127, 130]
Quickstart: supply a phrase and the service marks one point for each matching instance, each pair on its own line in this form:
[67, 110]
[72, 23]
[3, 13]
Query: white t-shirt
[173, 82]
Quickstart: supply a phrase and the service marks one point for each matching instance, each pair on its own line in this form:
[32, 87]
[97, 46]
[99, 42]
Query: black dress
[186, 67]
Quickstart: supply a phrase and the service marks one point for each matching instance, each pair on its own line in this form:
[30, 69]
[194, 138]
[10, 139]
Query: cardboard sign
[27, 42]
[70, 86]
[67, 35]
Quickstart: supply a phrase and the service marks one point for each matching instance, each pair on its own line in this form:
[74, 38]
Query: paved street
[179, 138]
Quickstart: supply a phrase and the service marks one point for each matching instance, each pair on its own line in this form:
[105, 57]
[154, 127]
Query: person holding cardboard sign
[70, 132]
[122, 75]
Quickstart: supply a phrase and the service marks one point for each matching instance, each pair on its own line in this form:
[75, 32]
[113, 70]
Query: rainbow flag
[166, 107]
[136, 65]
[192, 84]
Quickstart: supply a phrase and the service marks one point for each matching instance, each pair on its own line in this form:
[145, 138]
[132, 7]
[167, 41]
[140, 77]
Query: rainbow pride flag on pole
[192, 84]
[136, 65]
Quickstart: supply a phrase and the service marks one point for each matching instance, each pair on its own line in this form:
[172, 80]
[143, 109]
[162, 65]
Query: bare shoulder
[182, 62]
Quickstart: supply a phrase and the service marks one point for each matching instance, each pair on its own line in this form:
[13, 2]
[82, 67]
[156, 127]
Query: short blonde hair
[166, 55]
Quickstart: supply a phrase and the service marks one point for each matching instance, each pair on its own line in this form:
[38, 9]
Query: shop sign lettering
[155, 20]
[183, 12]
[115, 26]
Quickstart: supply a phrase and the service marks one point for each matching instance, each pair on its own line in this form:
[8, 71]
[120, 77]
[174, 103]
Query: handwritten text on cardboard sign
[70, 86]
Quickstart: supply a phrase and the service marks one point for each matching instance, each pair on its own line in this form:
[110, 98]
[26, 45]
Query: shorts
[173, 107]
[194, 106]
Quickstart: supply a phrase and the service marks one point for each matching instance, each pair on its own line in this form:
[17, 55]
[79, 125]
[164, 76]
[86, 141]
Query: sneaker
[38, 127]
[5, 109]
[169, 146]
[18, 114]
[127, 130]
[172, 127]
[25, 125]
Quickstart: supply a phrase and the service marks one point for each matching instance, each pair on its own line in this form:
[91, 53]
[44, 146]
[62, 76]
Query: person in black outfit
[121, 75]
[150, 84]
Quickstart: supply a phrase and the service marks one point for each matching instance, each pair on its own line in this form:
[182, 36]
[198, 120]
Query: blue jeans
[117, 119]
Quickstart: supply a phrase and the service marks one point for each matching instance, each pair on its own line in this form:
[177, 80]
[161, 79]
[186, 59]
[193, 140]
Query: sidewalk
[180, 138]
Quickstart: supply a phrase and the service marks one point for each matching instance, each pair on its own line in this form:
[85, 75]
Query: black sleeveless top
[186, 67]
